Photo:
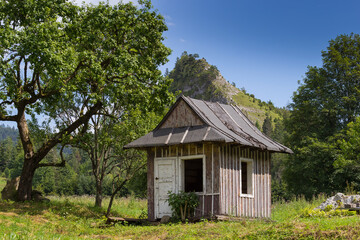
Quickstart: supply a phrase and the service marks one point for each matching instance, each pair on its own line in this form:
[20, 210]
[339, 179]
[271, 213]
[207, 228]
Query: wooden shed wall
[231, 203]
[209, 200]
[222, 191]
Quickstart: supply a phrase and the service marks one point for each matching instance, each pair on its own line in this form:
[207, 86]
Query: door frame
[156, 174]
[181, 171]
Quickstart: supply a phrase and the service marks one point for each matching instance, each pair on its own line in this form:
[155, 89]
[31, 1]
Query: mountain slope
[196, 78]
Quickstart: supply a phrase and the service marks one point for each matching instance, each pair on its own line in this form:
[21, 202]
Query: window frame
[182, 171]
[250, 177]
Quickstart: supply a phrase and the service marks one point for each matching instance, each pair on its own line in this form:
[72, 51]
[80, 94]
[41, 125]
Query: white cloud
[182, 40]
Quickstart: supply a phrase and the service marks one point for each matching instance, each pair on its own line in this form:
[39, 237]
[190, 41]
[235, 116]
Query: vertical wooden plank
[208, 168]
[259, 183]
[264, 176]
[150, 184]
[227, 180]
[253, 180]
[266, 185]
[256, 184]
[199, 148]
[269, 172]
[212, 179]
[222, 180]
[216, 204]
[262, 184]
[185, 150]
[229, 177]
[198, 210]
[217, 168]
[236, 159]
[233, 159]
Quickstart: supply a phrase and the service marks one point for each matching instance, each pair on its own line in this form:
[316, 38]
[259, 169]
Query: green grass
[255, 112]
[76, 218]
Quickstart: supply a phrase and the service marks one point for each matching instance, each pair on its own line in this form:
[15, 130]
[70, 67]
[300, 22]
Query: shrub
[183, 204]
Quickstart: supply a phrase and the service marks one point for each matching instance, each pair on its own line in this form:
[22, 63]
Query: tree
[66, 62]
[267, 126]
[347, 160]
[128, 162]
[104, 141]
[7, 153]
[326, 101]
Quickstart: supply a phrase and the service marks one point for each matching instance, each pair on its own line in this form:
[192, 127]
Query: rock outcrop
[342, 201]
[10, 190]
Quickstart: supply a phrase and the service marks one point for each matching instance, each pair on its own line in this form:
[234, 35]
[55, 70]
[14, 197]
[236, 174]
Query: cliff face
[196, 78]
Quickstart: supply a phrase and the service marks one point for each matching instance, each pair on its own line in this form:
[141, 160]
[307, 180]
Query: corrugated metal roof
[223, 123]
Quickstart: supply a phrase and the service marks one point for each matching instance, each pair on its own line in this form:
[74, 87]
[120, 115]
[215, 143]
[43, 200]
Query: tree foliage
[194, 77]
[326, 101]
[267, 128]
[66, 62]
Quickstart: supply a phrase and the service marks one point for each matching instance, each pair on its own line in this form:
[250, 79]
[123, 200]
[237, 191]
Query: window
[193, 175]
[246, 176]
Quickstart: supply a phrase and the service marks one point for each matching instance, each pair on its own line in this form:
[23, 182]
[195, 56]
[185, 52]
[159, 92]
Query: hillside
[6, 131]
[196, 78]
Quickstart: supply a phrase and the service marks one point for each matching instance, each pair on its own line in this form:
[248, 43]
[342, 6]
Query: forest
[321, 126]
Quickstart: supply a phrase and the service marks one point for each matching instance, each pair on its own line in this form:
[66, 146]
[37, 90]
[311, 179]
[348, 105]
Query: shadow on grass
[64, 209]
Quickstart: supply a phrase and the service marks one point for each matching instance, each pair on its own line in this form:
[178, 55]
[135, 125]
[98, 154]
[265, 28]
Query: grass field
[76, 218]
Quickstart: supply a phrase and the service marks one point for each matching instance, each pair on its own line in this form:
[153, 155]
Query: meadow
[76, 218]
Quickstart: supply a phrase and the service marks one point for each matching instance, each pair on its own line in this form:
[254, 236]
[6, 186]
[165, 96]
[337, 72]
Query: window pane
[244, 178]
[193, 175]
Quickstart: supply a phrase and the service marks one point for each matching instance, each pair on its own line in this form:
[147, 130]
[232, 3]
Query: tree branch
[60, 164]
[47, 146]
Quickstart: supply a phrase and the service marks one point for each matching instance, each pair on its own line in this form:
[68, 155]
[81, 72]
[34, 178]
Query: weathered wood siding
[182, 116]
[223, 181]
[209, 199]
[150, 184]
[231, 202]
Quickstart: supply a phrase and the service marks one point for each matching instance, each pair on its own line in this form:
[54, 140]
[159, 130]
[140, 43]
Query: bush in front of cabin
[183, 204]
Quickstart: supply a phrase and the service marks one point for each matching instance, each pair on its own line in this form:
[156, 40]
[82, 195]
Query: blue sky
[263, 46]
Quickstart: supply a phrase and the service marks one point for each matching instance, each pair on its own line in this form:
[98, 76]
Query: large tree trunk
[31, 159]
[25, 184]
[30, 164]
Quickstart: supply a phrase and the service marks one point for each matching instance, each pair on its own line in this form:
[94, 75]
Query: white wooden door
[164, 175]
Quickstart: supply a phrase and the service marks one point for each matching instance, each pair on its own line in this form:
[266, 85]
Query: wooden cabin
[214, 150]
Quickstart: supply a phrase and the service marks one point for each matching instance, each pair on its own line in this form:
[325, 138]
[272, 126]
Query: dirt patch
[38, 219]
[9, 214]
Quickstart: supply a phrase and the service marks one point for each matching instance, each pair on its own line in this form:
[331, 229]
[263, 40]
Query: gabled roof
[211, 122]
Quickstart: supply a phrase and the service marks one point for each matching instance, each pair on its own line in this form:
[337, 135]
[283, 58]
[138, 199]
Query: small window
[193, 175]
[246, 176]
